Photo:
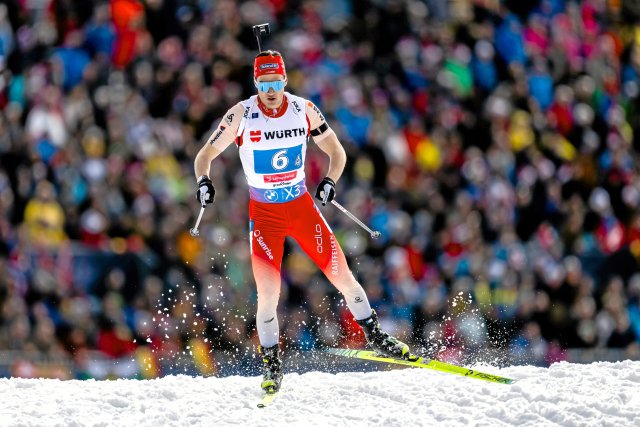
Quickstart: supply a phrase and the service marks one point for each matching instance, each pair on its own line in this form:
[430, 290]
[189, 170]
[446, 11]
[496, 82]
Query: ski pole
[374, 234]
[194, 231]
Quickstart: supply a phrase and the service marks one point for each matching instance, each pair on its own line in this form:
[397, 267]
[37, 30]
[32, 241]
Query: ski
[267, 398]
[420, 362]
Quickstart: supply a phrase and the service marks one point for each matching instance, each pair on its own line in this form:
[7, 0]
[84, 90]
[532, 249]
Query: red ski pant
[270, 223]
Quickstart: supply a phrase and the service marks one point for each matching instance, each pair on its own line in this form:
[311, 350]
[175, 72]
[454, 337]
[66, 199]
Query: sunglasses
[276, 86]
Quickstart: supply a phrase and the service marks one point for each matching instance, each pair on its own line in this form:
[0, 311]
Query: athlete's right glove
[205, 192]
[326, 190]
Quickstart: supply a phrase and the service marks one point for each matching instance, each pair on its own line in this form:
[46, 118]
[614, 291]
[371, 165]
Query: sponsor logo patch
[263, 244]
[271, 195]
[318, 237]
[268, 66]
[313, 106]
[334, 255]
[286, 133]
[280, 177]
[217, 134]
[255, 135]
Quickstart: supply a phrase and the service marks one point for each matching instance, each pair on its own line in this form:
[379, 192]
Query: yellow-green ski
[267, 398]
[420, 362]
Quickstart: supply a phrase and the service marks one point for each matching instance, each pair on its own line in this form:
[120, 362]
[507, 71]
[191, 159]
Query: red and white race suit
[272, 151]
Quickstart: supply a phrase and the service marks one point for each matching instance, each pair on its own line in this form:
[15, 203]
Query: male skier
[271, 130]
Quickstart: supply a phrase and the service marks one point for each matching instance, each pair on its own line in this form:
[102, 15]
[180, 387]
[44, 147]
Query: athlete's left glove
[326, 190]
[205, 192]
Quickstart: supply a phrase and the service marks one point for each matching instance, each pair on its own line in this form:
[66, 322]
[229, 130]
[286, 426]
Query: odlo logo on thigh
[318, 237]
[262, 244]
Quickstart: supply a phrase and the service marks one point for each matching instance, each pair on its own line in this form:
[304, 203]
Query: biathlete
[271, 130]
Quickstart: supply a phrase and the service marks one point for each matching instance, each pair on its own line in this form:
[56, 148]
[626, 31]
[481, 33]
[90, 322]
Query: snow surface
[599, 394]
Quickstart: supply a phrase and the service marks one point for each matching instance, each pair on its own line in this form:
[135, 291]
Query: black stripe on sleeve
[320, 130]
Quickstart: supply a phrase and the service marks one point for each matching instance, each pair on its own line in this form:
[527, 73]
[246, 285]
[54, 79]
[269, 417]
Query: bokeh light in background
[494, 145]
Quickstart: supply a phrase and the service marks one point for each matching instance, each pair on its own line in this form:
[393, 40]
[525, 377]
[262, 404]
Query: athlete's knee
[268, 300]
[346, 283]
[353, 287]
[265, 296]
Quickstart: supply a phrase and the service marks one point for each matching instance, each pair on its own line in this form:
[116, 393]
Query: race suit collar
[274, 113]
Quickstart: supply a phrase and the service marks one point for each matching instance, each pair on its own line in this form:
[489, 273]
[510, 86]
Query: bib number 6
[280, 160]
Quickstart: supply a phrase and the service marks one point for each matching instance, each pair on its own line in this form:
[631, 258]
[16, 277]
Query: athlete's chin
[271, 102]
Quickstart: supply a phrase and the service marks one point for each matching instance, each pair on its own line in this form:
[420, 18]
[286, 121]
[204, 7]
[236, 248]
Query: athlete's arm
[327, 140]
[223, 136]
[337, 156]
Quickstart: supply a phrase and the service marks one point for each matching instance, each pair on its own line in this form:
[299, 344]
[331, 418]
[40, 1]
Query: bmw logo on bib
[271, 195]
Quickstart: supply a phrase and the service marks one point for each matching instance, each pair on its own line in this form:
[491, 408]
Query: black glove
[326, 190]
[205, 192]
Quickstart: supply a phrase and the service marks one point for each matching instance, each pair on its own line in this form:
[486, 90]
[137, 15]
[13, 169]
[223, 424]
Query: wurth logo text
[287, 133]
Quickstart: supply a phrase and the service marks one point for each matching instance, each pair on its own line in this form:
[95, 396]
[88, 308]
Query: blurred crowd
[494, 144]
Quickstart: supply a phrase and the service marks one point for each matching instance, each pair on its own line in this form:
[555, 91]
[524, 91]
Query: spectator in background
[44, 218]
[492, 143]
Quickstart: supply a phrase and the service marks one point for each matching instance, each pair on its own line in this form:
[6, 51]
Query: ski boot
[381, 342]
[272, 369]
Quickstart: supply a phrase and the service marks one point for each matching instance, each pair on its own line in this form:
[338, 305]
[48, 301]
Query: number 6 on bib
[280, 160]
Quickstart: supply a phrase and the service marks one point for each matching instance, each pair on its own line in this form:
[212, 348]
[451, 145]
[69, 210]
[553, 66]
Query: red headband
[264, 65]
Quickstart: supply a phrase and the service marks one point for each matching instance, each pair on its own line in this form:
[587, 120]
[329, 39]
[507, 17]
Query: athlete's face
[271, 98]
